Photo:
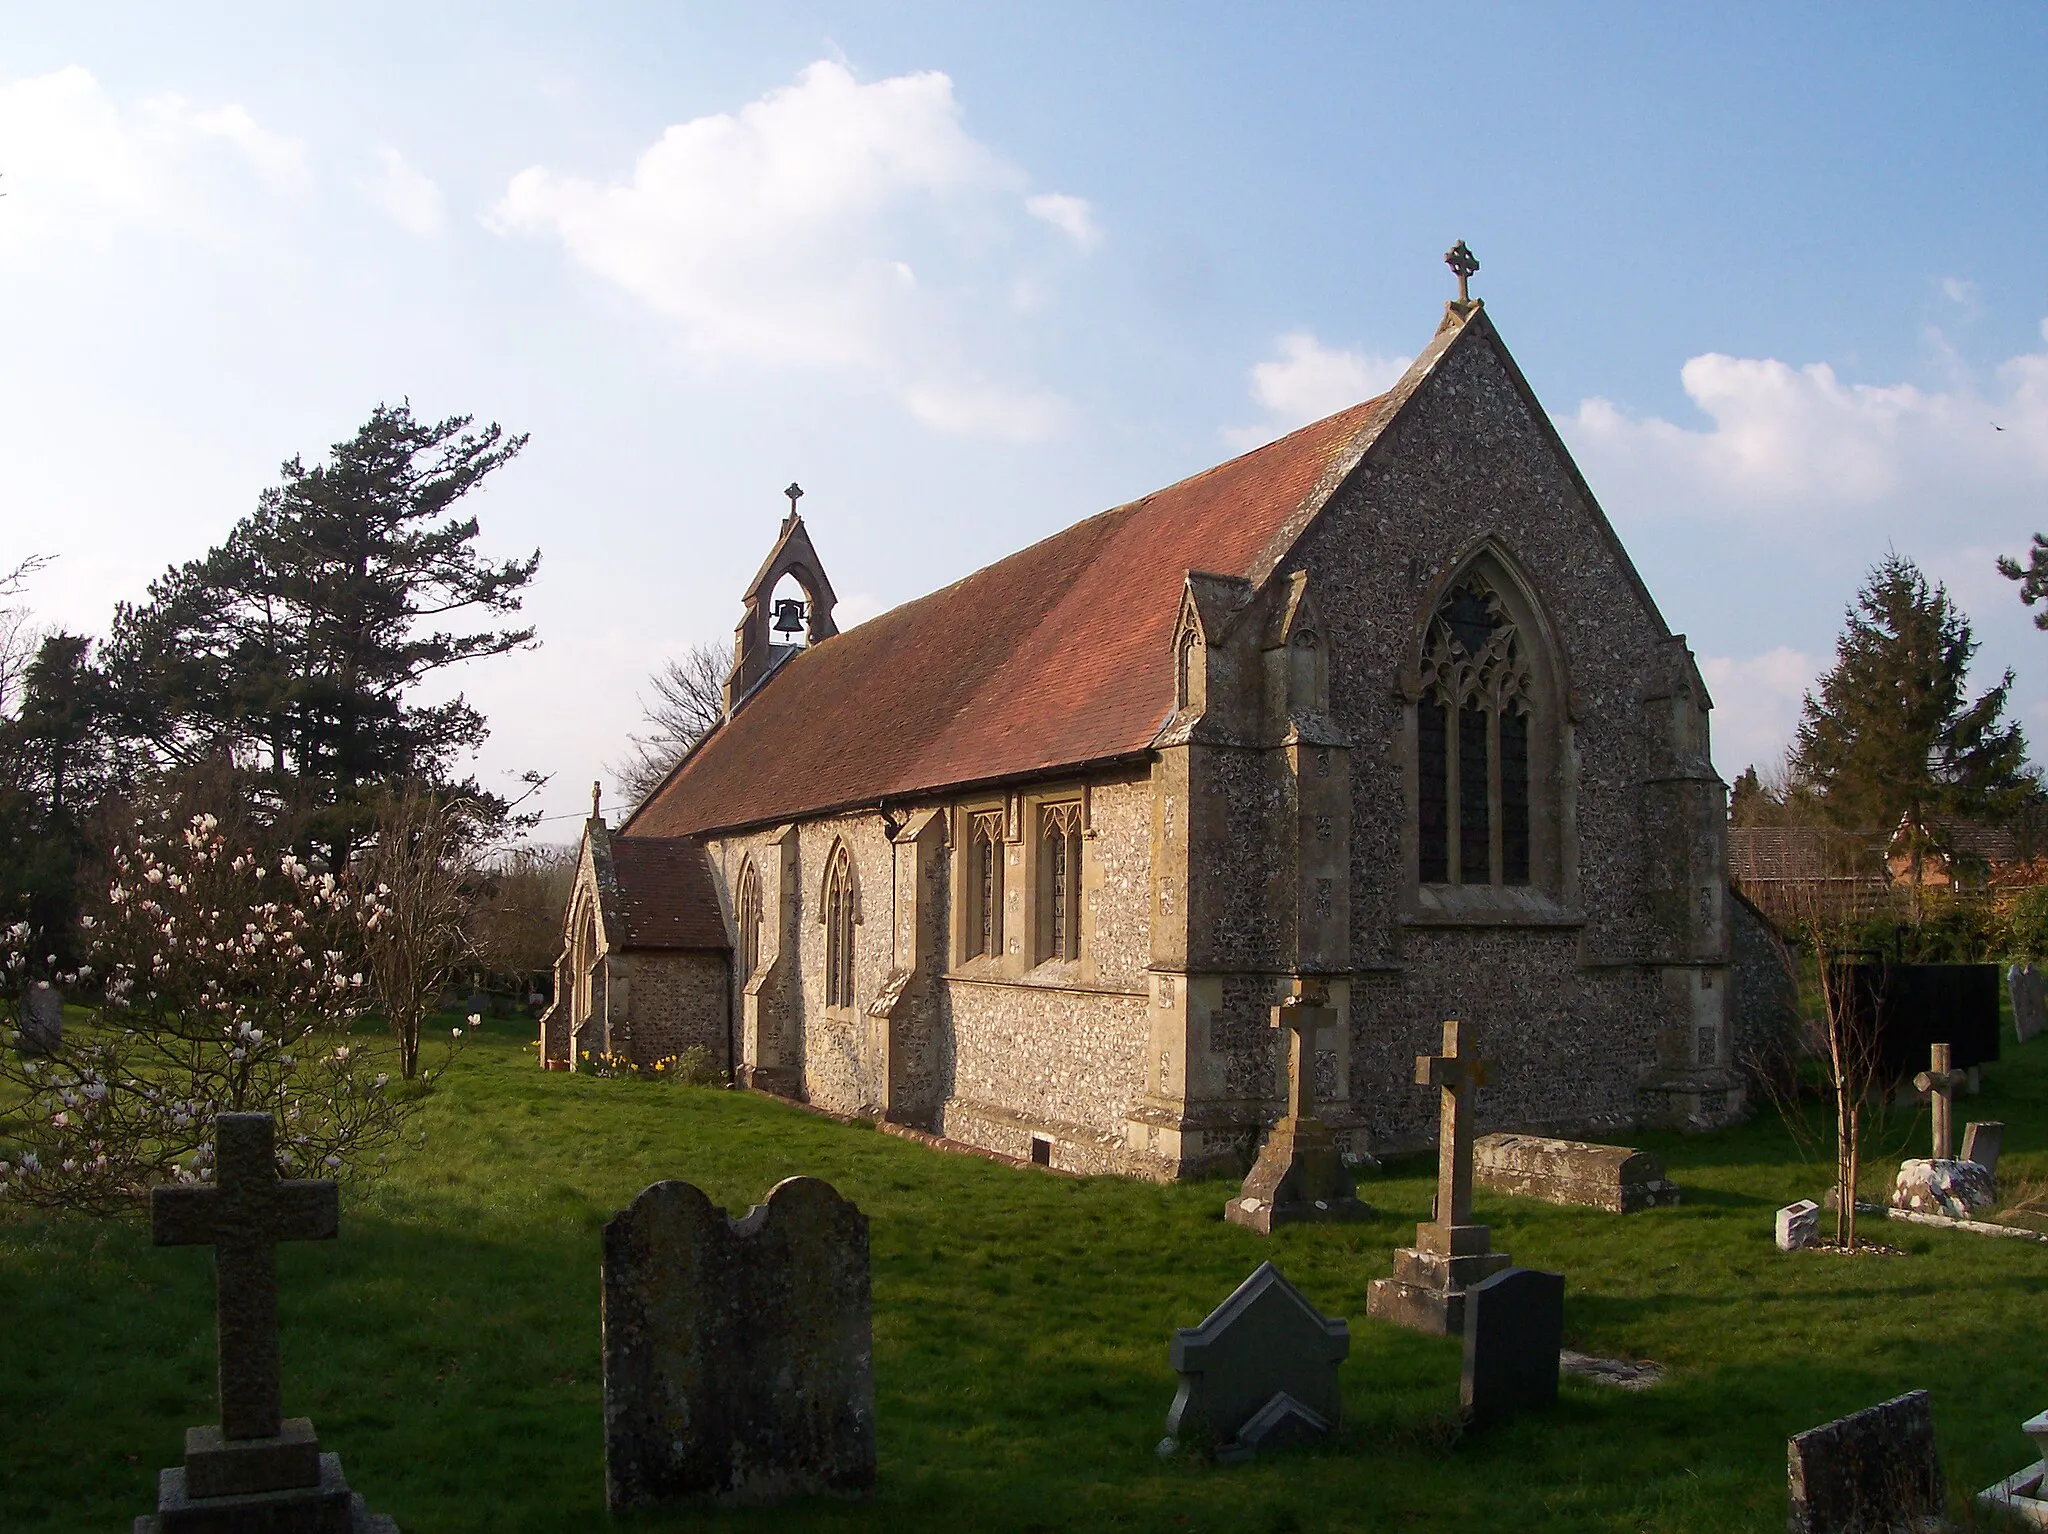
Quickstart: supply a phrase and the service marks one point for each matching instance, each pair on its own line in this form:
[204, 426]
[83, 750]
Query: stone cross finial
[243, 1216]
[1459, 258]
[1455, 1072]
[596, 792]
[795, 492]
[1940, 1085]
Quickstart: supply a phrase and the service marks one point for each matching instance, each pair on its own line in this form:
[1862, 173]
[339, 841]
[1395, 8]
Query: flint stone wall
[738, 1354]
[674, 1002]
[1617, 1178]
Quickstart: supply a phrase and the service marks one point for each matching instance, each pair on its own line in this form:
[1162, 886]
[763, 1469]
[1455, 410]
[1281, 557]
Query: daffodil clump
[690, 1067]
[216, 982]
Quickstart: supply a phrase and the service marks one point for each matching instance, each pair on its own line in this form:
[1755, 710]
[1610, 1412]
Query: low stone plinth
[325, 1507]
[1427, 1290]
[1957, 1189]
[1617, 1178]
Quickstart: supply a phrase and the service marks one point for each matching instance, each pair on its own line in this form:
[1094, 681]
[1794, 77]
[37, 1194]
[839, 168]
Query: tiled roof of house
[1060, 654]
[1773, 854]
[665, 897]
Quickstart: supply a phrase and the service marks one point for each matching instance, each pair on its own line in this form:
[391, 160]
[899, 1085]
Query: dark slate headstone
[738, 1359]
[1514, 1331]
[1981, 1142]
[1260, 1372]
[1875, 1469]
[42, 1019]
[2029, 989]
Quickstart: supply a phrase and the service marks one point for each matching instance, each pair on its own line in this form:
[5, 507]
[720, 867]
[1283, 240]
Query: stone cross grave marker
[1298, 1174]
[1259, 1372]
[1874, 1469]
[2028, 987]
[1941, 1085]
[1514, 1332]
[256, 1468]
[1451, 1252]
[1981, 1142]
[42, 1019]
[738, 1354]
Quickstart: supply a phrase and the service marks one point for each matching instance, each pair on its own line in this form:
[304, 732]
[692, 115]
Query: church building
[1381, 709]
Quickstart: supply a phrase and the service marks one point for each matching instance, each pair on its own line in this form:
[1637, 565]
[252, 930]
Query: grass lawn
[447, 1345]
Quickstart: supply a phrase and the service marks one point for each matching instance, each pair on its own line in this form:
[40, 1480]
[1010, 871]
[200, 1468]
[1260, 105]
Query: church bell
[789, 616]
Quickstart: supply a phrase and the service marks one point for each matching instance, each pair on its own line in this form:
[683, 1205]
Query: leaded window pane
[1432, 791]
[1475, 824]
[1514, 796]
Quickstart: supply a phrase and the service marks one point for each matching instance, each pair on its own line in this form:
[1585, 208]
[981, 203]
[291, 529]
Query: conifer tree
[1891, 741]
[298, 645]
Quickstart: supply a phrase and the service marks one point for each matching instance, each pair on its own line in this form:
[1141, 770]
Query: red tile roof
[666, 897]
[1058, 655]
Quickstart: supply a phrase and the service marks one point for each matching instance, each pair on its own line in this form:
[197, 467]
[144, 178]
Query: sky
[969, 273]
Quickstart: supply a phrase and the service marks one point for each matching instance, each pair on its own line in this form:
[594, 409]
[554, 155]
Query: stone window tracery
[985, 884]
[749, 922]
[1472, 739]
[839, 929]
[1059, 869]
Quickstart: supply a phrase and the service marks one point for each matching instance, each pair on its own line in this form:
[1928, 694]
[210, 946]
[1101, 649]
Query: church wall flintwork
[1440, 760]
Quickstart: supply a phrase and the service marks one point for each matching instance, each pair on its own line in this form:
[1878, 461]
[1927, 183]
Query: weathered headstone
[2028, 988]
[42, 1019]
[1260, 1372]
[1799, 1226]
[1981, 1143]
[738, 1354]
[2021, 1499]
[1514, 1331]
[1451, 1253]
[1298, 1174]
[257, 1469]
[1873, 1470]
[1616, 1178]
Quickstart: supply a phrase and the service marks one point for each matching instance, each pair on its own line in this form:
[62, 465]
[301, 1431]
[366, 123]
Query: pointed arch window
[839, 929]
[1059, 868]
[984, 876]
[1472, 742]
[749, 922]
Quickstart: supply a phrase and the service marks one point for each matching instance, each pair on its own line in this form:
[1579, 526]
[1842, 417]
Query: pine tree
[299, 644]
[1891, 741]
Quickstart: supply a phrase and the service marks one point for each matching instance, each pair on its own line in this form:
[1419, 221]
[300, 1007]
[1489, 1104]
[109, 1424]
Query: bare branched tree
[421, 866]
[689, 699]
[515, 923]
[20, 635]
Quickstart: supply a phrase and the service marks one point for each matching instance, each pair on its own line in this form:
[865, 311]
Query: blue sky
[972, 272]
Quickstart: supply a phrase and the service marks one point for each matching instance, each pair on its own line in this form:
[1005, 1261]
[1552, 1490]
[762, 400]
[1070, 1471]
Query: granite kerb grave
[738, 1353]
[2021, 1499]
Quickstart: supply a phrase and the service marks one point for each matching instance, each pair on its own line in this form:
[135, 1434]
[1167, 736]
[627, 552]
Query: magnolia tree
[212, 977]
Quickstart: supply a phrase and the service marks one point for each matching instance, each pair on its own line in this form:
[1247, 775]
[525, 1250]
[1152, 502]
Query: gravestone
[2028, 988]
[2021, 1499]
[1260, 1372]
[1298, 1174]
[1981, 1142]
[1939, 1083]
[1616, 1178]
[256, 1470]
[738, 1356]
[42, 1020]
[1941, 1184]
[1451, 1253]
[1514, 1331]
[1799, 1226]
[1873, 1470]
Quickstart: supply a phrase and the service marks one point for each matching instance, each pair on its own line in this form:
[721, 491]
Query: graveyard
[447, 1344]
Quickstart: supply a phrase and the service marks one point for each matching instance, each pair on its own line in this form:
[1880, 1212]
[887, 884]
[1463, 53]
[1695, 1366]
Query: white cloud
[79, 162]
[1308, 381]
[972, 409]
[1757, 703]
[1799, 440]
[1957, 291]
[829, 224]
[1070, 215]
[405, 194]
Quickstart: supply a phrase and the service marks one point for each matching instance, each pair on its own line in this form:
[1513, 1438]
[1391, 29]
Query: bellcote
[756, 650]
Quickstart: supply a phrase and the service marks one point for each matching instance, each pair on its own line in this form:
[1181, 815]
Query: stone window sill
[1484, 905]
